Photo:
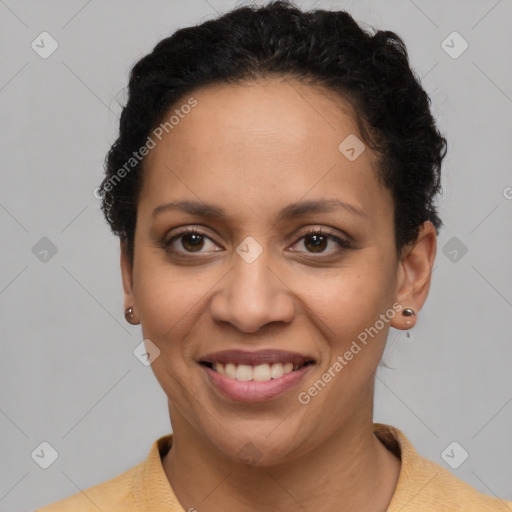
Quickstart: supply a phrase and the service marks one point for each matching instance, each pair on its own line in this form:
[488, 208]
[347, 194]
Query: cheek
[167, 306]
[166, 301]
[347, 300]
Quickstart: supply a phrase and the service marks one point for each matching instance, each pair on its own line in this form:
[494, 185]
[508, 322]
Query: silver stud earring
[129, 316]
[408, 312]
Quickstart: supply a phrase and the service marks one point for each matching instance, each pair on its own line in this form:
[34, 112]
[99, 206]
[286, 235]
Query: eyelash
[344, 244]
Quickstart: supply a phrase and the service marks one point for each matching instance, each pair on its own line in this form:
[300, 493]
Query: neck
[349, 471]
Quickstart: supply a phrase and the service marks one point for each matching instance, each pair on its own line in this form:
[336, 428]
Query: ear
[414, 274]
[127, 277]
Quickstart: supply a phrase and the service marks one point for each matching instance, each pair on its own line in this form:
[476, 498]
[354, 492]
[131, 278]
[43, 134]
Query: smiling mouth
[259, 373]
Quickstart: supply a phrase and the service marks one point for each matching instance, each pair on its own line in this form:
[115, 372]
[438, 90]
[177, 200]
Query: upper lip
[268, 356]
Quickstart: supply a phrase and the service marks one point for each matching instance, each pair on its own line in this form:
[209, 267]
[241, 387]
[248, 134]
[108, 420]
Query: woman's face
[254, 281]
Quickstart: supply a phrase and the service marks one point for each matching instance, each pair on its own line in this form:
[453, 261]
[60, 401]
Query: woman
[273, 187]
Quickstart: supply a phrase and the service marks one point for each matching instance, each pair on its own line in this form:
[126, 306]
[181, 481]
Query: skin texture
[253, 149]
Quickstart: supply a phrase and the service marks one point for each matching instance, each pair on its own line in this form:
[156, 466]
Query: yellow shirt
[422, 486]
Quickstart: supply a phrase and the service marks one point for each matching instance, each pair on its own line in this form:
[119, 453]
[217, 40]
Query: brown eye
[188, 241]
[192, 242]
[318, 241]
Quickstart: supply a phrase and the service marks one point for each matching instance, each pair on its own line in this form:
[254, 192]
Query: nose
[252, 295]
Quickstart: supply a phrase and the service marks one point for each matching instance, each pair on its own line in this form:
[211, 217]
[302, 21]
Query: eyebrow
[298, 209]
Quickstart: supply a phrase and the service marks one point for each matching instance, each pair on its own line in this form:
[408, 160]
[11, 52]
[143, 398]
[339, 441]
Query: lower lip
[255, 391]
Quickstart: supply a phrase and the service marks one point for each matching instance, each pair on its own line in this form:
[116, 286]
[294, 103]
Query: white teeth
[243, 372]
[230, 370]
[219, 368]
[276, 371]
[260, 373]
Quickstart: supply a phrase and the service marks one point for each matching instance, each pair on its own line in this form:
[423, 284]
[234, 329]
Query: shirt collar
[153, 492]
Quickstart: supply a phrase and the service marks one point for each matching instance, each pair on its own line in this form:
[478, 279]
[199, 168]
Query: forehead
[271, 112]
[269, 141]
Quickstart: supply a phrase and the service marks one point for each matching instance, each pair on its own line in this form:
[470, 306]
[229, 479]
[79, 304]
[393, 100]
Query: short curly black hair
[318, 47]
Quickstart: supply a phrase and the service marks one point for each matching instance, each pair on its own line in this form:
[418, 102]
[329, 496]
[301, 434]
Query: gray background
[68, 374]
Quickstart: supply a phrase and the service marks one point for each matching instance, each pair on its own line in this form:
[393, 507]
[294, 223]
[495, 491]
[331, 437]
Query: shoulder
[425, 485]
[442, 490]
[142, 487]
[114, 495]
